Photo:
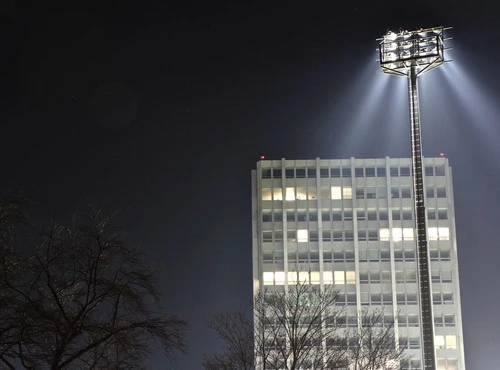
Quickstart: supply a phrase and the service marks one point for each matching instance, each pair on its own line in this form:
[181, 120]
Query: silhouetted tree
[373, 344]
[83, 299]
[303, 328]
[235, 330]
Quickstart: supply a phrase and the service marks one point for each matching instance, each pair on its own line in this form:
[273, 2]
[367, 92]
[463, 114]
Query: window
[325, 215]
[370, 172]
[268, 278]
[335, 172]
[372, 215]
[267, 216]
[438, 233]
[266, 173]
[442, 214]
[404, 171]
[302, 235]
[326, 236]
[300, 173]
[445, 341]
[429, 171]
[266, 194]
[289, 173]
[440, 170]
[267, 236]
[324, 173]
[360, 193]
[441, 192]
[311, 173]
[277, 194]
[346, 171]
[381, 172]
[407, 214]
[394, 192]
[290, 193]
[394, 171]
[398, 234]
[371, 192]
[358, 172]
[347, 192]
[429, 191]
[405, 192]
[336, 192]
[301, 193]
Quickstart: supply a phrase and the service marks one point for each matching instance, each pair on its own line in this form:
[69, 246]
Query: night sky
[163, 110]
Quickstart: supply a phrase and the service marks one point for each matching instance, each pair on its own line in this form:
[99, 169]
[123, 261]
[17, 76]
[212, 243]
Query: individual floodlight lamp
[409, 54]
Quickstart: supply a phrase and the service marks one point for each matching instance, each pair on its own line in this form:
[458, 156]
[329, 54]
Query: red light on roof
[262, 157]
[441, 154]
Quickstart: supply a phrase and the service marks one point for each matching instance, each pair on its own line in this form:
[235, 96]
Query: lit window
[290, 194]
[277, 194]
[266, 194]
[433, 233]
[347, 192]
[408, 233]
[339, 277]
[439, 233]
[279, 277]
[268, 278]
[350, 277]
[336, 192]
[397, 234]
[451, 342]
[444, 233]
[301, 193]
[327, 277]
[295, 277]
[384, 234]
[302, 236]
[315, 277]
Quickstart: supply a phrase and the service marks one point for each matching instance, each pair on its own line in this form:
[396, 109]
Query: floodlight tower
[410, 54]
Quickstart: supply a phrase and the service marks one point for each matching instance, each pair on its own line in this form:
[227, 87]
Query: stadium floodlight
[409, 54]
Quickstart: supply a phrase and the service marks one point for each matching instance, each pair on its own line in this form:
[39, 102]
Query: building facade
[349, 223]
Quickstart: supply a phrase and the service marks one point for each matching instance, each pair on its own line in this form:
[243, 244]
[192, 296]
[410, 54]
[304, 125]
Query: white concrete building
[350, 223]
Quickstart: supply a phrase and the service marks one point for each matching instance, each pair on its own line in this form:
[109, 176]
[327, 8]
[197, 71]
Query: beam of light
[366, 125]
[473, 106]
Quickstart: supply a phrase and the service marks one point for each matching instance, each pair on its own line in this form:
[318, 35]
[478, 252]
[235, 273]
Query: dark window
[441, 192]
[289, 173]
[404, 171]
[429, 171]
[323, 172]
[335, 172]
[266, 174]
[301, 173]
[440, 170]
[370, 172]
[346, 172]
[381, 172]
[358, 172]
[277, 174]
[394, 171]
[311, 173]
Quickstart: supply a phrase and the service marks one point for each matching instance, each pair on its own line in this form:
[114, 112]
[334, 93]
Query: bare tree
[235, 330]
[297, 328]
[82, 300]
[303, 327]
[373, 345]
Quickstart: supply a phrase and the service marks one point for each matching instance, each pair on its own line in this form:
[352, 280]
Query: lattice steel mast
[409, 54]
